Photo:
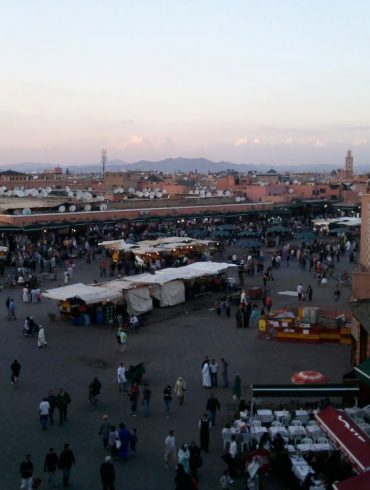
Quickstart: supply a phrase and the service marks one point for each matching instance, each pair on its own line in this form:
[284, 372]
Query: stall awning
[359, 482]
[88, 294]
[363, 370]
[304, 390]
[347, 436]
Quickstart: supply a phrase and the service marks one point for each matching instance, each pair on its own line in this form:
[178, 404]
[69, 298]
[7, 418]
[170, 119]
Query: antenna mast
[103, 160]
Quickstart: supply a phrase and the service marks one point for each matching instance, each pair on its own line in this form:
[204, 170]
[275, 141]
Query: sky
[247, 81]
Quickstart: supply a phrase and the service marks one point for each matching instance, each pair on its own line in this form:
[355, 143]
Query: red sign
[347, 436]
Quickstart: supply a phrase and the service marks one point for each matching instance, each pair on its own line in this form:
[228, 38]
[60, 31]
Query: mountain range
[180, 164]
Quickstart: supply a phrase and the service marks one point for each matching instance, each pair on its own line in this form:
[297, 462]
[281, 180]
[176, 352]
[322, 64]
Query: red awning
[359, 482]
[347, 436]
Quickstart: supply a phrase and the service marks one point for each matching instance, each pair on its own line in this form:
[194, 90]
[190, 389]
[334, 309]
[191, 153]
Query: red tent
[359, 482]
[347, 436]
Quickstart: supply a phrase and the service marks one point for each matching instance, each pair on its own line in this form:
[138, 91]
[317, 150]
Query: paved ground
[172, 344]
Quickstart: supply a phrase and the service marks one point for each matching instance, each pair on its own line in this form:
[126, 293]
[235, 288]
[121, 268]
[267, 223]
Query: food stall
[304, 324]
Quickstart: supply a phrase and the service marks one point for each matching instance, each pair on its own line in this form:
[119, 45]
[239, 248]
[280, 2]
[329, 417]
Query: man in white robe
[206, 376]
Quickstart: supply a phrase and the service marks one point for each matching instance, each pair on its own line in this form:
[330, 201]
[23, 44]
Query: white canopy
[117, 245]
[88, 294]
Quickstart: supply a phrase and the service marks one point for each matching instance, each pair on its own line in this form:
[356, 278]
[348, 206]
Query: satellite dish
[72, 208]
[87, 207]
[159, 195]
[121, 190]
[103, 207]
[146, 194]
[139, 194]
[35, 177]
[208, 194]
[151, 195]
[26, 211]
[227, 193]
[131, 190]
[196, 192]
[44, 193]
[237, 199]
[115, 191]
[61, 209]
[48, 189]
[70, 194]
[291, 191]
[68, 188]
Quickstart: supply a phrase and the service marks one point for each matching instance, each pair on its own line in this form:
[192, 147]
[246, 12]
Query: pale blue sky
[247, 81]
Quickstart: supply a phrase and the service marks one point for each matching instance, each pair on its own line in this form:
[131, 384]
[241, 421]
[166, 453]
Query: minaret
[349, 165]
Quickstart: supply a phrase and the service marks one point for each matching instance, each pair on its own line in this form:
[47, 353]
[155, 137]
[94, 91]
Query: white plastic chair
[286, 420]
[322, 440]
[226, 437]
[276, 423]
[307, 440]
[296, 423]
[311, 423]
[256, 423]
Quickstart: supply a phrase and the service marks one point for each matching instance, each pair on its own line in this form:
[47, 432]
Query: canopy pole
[252, 401]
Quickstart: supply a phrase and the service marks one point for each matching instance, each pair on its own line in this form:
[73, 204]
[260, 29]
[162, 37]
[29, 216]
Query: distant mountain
[180, 164]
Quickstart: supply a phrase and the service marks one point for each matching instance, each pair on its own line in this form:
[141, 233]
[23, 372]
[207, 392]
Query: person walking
[170, 449]
[107, 474]
[134, 397]
[212, 406]
[195, 460]
[66, 461]
[179, 389]
[52, 399]
[51, 464]
[147, 395]
[204, 426]
[62, 402]
[309, 293]
[121, 377]
[41, 339]
[44, 408]
[237, 390]
[12, 309]
[225, 373]
[300, 291]
[214, 371]
[167, 398]
[124, 437]
[206, 375]
[94, 390]
[104, 430]
[26, 470]
[183, 457]
[15, 369]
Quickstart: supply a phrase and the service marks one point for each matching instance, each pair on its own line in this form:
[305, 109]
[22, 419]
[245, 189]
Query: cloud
[132, 140]
[361, 141]
[240, 141]
[319, 143]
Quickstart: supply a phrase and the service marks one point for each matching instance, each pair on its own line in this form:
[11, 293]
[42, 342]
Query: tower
[349, 164]
[103, 160]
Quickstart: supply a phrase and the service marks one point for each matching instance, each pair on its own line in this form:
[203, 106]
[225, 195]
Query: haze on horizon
[244, 81]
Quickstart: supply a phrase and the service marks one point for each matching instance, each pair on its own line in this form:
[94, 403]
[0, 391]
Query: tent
[137, 297]
[359, 482]
[167, 285]
[363, 370]
[347, 436]
[89, 294]
[117, 245]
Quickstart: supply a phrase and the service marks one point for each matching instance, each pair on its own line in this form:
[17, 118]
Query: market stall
[304, 324]
[84, 304]
[136, 296]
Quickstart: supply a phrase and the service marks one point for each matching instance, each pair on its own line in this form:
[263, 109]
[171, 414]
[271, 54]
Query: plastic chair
[226, 437]
[311, 423]
[256, 423]
[322, 440]
[307, 440]
[286, 420]
[296, 423]
[276, 423]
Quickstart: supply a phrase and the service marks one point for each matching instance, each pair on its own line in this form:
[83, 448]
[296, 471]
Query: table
[278, 430]
[265, 416]
[300, 467]
[281, 414]
[256, 432]
[302, 415]
[354, 412]
[296, 430]
[304, 448]
[314, 431]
